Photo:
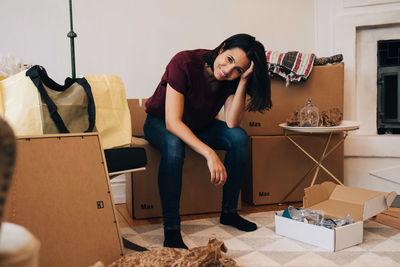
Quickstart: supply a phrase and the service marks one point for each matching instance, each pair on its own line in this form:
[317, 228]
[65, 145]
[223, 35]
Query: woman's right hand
[217, 169]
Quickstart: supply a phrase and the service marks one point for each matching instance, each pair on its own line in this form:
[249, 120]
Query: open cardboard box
[336, 201]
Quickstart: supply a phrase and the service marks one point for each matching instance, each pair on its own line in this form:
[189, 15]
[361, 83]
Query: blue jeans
[218, 136]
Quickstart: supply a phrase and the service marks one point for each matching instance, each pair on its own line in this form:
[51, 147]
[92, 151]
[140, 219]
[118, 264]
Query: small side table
[344, 127]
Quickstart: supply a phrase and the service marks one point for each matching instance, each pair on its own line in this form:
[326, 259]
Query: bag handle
[39, 76]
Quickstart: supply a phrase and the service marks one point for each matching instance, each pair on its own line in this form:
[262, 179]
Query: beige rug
[381, 246]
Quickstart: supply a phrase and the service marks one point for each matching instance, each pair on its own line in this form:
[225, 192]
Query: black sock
[234, 219]
[173, 239]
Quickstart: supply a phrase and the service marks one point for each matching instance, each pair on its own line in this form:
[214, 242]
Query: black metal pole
[72, 35]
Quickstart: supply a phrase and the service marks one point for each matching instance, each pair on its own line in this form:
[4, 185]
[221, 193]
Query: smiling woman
[183, 109]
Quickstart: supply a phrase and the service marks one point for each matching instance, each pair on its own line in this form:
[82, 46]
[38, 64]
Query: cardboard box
[138, 115]
[198, 194]
[275, 165]
[61, 193]
[142, 196]
[324, 86]
[336, 201]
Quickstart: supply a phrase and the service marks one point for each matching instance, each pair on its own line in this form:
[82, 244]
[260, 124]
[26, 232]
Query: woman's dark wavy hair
[258, 86]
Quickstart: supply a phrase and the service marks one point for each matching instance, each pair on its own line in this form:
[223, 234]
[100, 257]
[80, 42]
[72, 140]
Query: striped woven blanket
[293, 66]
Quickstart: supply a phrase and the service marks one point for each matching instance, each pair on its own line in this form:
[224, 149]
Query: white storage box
[336, 201]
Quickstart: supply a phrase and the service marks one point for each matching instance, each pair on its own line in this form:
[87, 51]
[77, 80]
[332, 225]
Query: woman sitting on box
[183, 110]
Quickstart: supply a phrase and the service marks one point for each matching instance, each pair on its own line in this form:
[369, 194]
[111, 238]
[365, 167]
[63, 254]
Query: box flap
[378, 204]
[360, 203]
[339, 209]
[374, 202]
[317, 193]
[353, 194]
[390, 198]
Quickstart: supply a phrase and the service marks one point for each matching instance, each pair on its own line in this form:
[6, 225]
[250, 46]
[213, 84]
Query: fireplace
[377, 105]
[388, 81]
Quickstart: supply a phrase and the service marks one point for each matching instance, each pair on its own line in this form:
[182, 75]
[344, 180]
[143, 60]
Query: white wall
[136, 39]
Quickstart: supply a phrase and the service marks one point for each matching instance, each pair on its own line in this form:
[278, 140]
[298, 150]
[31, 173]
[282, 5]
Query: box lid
[339, 200]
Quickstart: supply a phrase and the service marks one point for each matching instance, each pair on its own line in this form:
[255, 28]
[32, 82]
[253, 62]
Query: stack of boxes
[275, 164]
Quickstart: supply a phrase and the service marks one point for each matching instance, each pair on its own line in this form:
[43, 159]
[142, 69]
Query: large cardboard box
[142, 196]
[276, 165]
[324, 86]
[61, 193]
[336, 201]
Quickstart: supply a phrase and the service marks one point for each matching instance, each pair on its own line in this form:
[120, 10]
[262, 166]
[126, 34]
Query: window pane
[389, 53]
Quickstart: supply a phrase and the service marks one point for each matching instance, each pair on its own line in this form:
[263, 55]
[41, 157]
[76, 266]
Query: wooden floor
[391, 217]
[125, 220]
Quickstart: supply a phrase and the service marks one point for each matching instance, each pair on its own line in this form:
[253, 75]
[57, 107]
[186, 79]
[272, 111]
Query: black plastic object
[125, 158]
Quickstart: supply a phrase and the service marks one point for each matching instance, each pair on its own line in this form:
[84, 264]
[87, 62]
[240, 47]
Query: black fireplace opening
[388, 117]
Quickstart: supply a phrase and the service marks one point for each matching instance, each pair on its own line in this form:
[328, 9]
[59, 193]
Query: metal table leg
[317, 165]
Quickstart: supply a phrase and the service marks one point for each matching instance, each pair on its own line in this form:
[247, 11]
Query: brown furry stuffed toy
[294, 119]
[209, 255]
[328, 60]
[332, 117]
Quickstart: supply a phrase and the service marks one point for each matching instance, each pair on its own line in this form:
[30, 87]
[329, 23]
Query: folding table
[344, 127]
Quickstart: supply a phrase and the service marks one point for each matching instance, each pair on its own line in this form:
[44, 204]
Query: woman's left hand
[248, 72]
